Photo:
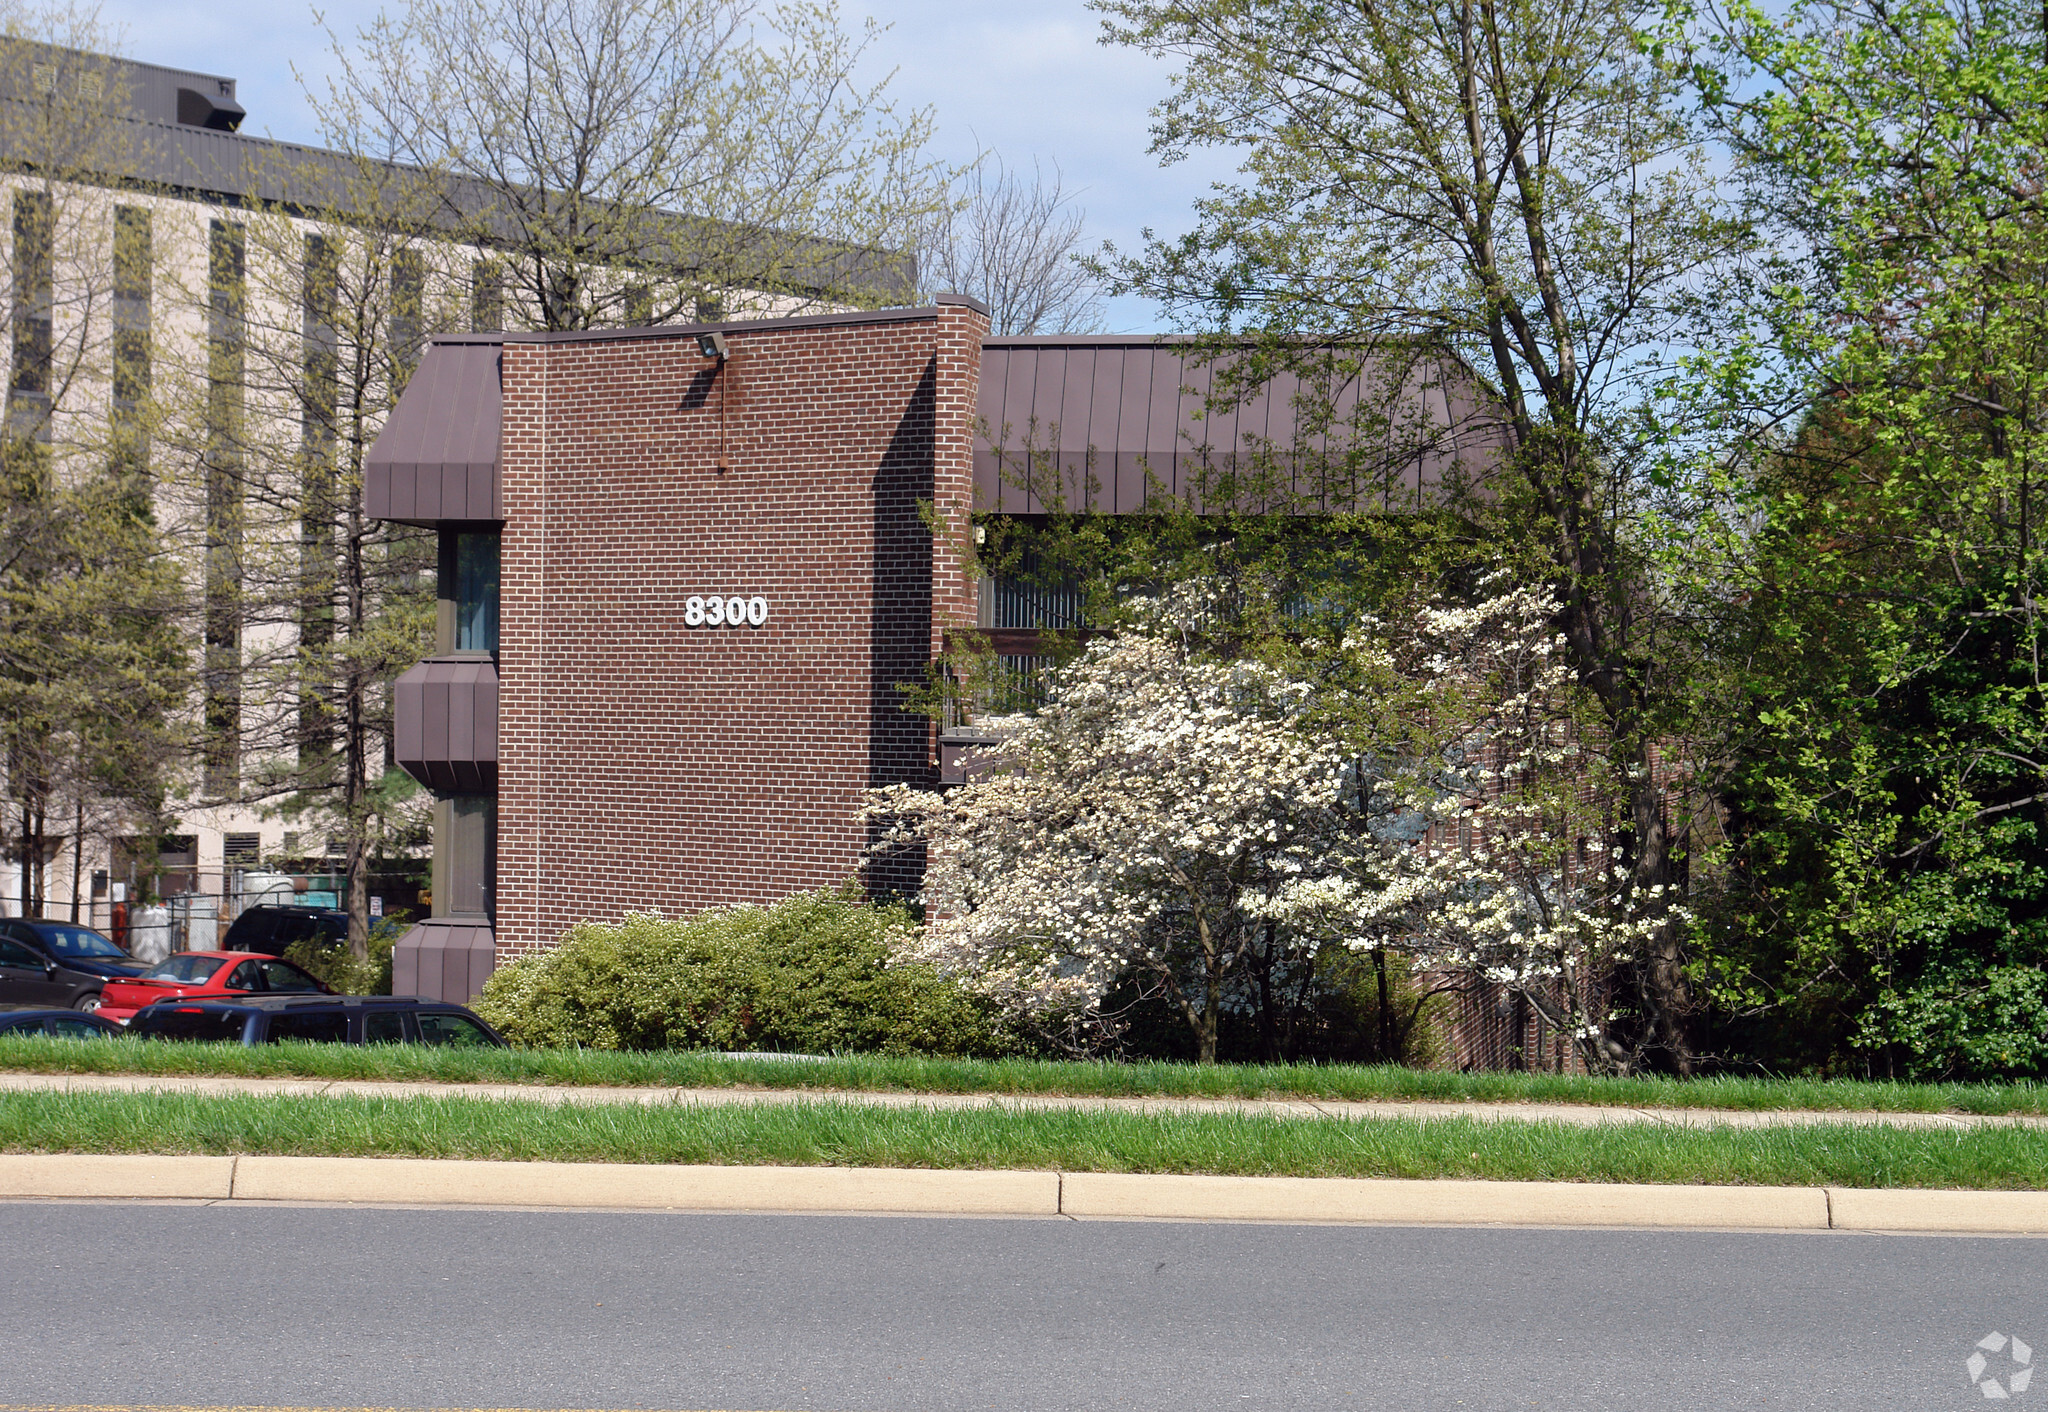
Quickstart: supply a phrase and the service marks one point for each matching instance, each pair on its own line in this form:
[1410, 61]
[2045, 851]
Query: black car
[270, 929]
[329, 1019]
[71, 946]
[18, 1021]
[57, 963]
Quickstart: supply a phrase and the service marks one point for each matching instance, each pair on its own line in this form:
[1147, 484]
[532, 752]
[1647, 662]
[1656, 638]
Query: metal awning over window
[445, 724]
[437, 459]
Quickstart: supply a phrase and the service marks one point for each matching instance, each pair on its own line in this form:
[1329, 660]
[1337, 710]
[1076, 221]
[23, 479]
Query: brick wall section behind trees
[649, 764]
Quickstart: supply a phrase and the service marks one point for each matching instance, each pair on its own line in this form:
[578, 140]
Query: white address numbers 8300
[724, 612]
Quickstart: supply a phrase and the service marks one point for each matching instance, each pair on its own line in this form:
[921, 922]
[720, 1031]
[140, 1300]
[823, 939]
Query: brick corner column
[962, 325]
[521, 618]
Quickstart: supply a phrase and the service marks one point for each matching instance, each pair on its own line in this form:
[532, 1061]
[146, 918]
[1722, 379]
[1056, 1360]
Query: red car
[208, 975]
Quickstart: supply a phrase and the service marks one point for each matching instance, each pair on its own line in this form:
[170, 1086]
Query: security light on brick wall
[712, 345]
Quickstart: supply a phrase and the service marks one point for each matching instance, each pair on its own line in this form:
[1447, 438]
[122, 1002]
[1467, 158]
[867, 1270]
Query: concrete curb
[1312, 1199]
[2025, 1212]
[614, 1185]
[153, 1178]
[1076, 1195]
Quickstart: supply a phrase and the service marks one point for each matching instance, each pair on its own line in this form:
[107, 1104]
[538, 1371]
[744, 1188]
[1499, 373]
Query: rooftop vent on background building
[219, 112]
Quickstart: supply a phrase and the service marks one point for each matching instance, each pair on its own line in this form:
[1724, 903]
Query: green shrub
[333, 963]
[811, 974]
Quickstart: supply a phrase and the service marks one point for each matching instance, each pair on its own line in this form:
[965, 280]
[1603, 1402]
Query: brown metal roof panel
[1126, 472]
[438, 454]
[487, 721]
[484, 500]
[1077, 397]
[460, 722]
[1194, 456]
[1105, 417]
[1162, 444]
[445, 724]
[444, 958]
[407, 713]
[1043, 423]
[1023, 430]
[434, 718]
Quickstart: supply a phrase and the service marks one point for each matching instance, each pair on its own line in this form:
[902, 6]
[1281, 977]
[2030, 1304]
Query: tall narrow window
[133, 278]
[318, 393]
[487, 297]
[28, 392]
[476, 592]
[226, 296]
[473, 854]
[408, 310]
[639, 305]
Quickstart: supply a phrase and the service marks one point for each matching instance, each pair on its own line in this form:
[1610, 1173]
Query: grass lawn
[882, 1073]
[831, 1132]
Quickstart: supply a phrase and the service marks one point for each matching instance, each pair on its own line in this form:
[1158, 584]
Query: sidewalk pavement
[1577, 1115]
[393, 1181]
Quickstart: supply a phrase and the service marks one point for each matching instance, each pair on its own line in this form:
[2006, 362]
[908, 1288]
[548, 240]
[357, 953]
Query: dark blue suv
[328, 1019]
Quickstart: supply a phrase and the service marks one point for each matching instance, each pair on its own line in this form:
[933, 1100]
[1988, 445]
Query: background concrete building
[180, 295]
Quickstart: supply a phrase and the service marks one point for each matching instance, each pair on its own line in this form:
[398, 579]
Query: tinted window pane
[186, 970]
[295, 927]
[76, 1027]
[13, 953]
[205, 1025]
[78, 941]
[476, 592]
[247, 976]
[282, 975]
[319, 1026]
[383, 1027]
[456, 1031]
[252, 926]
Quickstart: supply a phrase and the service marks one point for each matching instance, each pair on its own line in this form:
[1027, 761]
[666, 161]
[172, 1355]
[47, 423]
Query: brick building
[685, 572]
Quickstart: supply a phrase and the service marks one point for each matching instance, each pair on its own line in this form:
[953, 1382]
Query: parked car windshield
[185, 969]
[78, 941]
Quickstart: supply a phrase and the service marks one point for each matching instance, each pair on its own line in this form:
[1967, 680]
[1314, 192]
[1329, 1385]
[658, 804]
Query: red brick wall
[649, 764]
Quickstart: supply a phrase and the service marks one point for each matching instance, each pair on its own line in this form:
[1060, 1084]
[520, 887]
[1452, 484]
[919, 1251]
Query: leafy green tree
[1884, 899]
[92, 656]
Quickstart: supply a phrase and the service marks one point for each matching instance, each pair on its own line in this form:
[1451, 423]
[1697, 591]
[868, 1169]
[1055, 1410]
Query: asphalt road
[319, 1307]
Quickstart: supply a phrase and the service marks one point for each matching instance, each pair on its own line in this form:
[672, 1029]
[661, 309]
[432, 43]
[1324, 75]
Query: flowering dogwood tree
[1126, 826]
[1494, 820]
[1176, 817]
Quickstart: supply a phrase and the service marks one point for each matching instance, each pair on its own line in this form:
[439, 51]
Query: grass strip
[878, 1073]
[833, 1133]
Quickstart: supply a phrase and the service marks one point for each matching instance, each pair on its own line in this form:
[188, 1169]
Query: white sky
[1025, 78]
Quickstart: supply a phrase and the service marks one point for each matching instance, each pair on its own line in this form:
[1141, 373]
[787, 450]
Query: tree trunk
[1212, 1014]
[1269, 1020]
[1552, 459]
[356, 765]
[355, 791]
[1386, 1016]
[77, 852]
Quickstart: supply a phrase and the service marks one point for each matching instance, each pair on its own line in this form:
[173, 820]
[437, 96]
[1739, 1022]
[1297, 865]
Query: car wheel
[87, 1003]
